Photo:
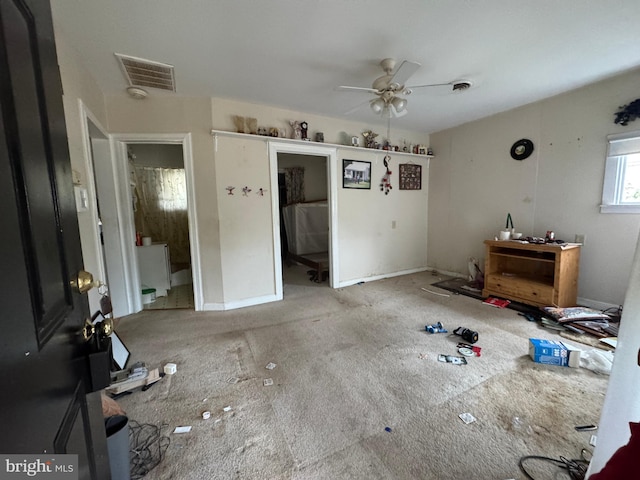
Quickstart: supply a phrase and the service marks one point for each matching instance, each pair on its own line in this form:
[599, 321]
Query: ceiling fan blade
[357, 107]
[404, 72]
[362, 89]
[412, 87]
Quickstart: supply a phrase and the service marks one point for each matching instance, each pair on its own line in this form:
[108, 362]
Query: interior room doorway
[160, 213]
[304, 218]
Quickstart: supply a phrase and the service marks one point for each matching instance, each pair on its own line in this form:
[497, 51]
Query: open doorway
[304, 218]
[160, 214]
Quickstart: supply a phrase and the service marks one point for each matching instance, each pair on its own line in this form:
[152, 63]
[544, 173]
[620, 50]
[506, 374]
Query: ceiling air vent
[146, 73]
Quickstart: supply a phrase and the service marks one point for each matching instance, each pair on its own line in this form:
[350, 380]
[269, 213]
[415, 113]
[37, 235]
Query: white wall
[78, 85]
[474, 183]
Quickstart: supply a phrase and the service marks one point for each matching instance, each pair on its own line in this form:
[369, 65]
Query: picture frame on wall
[356, 174]
[410, 176]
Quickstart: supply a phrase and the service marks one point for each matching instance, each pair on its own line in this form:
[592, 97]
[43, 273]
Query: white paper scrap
[267, 382]
[182, 430]
[227, 409]
[270, 366]
[467, 418]
[593, 440]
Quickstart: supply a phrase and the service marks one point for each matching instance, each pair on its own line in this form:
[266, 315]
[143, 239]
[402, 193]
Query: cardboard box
[552, 352]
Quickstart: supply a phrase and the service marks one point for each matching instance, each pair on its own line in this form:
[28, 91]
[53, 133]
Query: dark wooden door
[45, 380]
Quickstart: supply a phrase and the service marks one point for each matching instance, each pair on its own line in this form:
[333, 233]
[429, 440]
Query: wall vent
[146, 73]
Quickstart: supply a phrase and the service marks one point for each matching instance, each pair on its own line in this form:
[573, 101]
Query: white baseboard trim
[596, 305]
[247, 302]
[447, 273]
[348, 283]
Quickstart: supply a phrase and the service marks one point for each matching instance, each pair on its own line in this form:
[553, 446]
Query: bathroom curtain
[294, 182]
[161, 209]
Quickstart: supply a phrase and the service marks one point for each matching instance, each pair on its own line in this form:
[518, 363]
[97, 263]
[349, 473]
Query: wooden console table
[535, 274]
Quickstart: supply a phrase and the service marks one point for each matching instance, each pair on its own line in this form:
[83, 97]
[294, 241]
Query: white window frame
[619, 145]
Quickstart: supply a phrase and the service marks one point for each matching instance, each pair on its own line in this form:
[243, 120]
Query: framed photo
[410, 176]
[356, 174]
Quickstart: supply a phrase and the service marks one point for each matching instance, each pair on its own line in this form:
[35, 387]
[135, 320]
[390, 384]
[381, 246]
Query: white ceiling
[293, 53]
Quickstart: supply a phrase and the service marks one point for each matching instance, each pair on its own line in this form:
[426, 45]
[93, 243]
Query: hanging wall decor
[628, 113]
[356, 174]
[385, 184]
[230, 190]
[245, 191]
[410, 176]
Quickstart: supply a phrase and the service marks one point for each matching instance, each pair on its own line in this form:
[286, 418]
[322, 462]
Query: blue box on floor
[551, 352]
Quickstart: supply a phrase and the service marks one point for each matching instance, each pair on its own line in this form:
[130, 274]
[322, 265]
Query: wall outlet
[580, 238]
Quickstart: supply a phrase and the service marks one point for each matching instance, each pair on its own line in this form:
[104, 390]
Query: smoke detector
[137, 93]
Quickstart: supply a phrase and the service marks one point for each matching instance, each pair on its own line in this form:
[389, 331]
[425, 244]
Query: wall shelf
[268, 139]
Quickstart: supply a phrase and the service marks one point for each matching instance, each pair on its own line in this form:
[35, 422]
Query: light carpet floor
[352, 364]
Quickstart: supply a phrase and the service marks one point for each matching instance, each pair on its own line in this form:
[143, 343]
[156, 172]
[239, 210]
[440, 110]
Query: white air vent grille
[146, 73]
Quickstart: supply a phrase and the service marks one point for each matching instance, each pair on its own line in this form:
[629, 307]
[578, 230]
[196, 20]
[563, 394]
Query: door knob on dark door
[83, 282]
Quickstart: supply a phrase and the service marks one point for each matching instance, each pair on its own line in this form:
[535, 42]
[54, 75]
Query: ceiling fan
[389, 86]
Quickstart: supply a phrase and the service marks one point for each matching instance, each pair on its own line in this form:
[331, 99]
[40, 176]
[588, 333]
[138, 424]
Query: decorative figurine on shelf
[304, 127]
[297, 129]
[369, 139]
[251, 125]
[385, 184]
[319, 137]
[239, 122]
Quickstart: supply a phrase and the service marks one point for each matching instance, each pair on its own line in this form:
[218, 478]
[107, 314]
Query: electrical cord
[147, 446]
[576, 468]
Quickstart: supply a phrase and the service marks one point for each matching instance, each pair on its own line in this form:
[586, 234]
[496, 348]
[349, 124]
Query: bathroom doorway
[160, 214]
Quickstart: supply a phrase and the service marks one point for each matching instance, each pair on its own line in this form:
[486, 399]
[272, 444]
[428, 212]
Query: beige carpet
[351, 363]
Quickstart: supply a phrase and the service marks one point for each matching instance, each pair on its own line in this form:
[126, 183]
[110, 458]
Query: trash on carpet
[452, 359]
[270, 366]
[466, 352]
[466, 334]
[552, 352]
[497, 302]
[227, 409]
[435, 328]
[206, 415]
[182, 429]
[435, 293]
[387, 429]
[596, 360]
[267, 382]
[467, 418]
[474, 348]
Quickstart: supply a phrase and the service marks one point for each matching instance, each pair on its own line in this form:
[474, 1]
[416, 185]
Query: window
[621, 190]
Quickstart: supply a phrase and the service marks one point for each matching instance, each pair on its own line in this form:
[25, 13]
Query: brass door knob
[83, 282]
[87, 331]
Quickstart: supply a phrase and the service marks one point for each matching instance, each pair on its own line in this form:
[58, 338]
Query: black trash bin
[117, 428]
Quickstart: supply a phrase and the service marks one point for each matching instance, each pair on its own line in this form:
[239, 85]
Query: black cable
[147, 447]
[577, 468]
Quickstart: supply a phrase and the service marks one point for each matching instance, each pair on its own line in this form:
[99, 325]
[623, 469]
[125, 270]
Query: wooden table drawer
[521, 288]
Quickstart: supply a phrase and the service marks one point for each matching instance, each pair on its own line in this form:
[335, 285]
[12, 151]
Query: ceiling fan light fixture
[400, 104]
[377, 106]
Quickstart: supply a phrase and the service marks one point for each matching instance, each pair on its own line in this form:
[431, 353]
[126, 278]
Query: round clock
[521, 149]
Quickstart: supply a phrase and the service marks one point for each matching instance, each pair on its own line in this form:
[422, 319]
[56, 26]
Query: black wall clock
[521, 149]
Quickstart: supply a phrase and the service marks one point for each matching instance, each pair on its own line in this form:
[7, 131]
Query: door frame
[125, 211]
[331, 156]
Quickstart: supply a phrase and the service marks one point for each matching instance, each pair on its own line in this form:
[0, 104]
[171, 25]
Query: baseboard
[596, 305]
[248, 302]
[348, 283]
[447, 273]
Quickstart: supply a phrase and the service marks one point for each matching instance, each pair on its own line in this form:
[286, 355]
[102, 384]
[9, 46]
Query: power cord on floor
[577, 468]
[148, 447]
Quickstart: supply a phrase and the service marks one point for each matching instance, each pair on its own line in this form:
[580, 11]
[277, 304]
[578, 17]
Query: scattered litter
[585, 428]
[474, 348]
[267, 382]
[422, 356]
[496, 302]
[270, 366]
[593, 440]
[182, 429]
[206, 415]
[521, 424]
[597, 360]
[435, 293]
[467, 352]
[227, 409]
[387, 429]
[435, 328]
[452, 359]
[467, 418]
[170, 368]
[467, 334]
[233, 380]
